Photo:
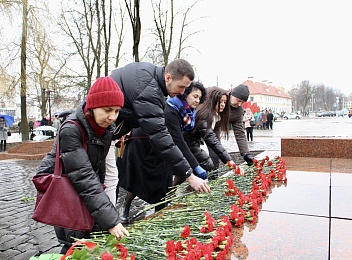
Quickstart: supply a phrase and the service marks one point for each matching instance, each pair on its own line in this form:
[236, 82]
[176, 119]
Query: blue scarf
[188, 114]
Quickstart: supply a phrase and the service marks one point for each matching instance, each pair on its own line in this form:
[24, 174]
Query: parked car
[292, 116]
[343, 112]
[325, 114]
[42, 133]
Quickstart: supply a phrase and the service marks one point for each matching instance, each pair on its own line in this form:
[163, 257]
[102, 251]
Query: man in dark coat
[238, 96]
[270, 120]
[145, 87]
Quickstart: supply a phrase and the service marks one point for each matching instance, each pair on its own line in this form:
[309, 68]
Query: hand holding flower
[119, 231]
[198, 184]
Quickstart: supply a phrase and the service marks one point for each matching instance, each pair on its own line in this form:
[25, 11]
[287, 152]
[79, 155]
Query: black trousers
[249, 131]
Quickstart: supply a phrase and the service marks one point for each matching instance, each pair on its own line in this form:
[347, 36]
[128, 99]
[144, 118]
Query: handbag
[252, 123]
[58, 204]
[8, 133]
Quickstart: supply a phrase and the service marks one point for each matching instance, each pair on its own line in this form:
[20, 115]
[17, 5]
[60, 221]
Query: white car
[292, 116]
[42, 133]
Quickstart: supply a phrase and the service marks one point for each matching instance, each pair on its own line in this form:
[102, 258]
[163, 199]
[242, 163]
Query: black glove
[249, 159]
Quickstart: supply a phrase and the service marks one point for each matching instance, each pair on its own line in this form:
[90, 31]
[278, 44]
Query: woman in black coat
[143, 172]
[86, 168]
[212, 118]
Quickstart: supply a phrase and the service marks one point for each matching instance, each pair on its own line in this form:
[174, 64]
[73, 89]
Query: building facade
[269, 97]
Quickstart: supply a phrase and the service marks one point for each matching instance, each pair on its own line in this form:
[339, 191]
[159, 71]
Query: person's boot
[124, 212]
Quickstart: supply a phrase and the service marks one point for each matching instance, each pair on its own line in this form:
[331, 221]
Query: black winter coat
[144, 90]
[174, 123]
[195, 138]
[143, 171]
[85, 169]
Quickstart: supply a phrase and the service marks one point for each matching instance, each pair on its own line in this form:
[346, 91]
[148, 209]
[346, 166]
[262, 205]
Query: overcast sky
[281, 41]
[284, 42]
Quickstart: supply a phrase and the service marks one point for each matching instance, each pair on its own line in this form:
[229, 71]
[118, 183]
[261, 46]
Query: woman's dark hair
[207, 110]
[195, 85]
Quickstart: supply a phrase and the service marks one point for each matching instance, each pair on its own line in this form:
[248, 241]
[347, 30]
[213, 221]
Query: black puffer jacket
[195, 138]
[144, 89]
[175, 125]
[86, 169]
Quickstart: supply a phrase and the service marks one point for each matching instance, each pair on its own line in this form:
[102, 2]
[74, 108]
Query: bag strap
[58, 161]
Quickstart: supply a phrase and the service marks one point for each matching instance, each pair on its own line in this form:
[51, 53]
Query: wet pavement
[325, 220]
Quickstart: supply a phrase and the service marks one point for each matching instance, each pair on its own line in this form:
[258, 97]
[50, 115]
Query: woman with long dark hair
[212, 119]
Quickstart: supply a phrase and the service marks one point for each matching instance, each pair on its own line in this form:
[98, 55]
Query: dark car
[325, 114]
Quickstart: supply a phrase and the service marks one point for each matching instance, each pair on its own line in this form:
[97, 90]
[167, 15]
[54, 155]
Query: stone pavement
[20, 236]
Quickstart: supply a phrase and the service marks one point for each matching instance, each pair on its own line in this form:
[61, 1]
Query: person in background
[270, 118]
[3, 133]
[86, 168]
[238, 96]
[145, 87]
[31, 125]
[143, 172]
[57, 122]
[260, 120]
[248, 116]
[265, 119]
[37, 123]
[19, 127]
[44, 121]
[212, 118]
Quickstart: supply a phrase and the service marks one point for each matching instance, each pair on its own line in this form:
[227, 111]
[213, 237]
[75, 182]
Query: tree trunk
[24, 122]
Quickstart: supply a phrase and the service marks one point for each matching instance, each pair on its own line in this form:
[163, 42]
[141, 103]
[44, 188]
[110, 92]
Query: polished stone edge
[316, 147]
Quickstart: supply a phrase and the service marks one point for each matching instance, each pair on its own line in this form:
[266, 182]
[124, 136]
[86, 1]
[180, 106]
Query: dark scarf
[98, 130]
[188, 114]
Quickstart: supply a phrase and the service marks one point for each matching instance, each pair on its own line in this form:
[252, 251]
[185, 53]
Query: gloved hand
[200, 172]
[249, 159]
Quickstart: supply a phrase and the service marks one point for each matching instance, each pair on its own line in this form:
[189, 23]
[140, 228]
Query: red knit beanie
[104, 93]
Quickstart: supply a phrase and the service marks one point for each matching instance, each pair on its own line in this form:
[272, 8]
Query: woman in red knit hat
[86, 167]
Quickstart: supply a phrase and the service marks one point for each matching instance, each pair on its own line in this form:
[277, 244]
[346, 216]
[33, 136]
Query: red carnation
[186, 232]
[107, 256]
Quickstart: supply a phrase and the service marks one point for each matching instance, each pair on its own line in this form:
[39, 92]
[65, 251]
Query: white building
[269, 97]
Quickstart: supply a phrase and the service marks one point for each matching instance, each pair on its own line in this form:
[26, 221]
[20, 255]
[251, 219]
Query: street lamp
[49, 103]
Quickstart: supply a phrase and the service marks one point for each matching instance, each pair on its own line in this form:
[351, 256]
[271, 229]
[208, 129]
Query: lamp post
[49, 103]
[337, 105]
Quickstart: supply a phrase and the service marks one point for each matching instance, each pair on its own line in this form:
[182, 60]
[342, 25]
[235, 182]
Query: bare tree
[23, 93]
[74, 24]
[314, 97]
[120, 35]
[166, 31]
[90, 29]
[6, 5]
[186, 24]
[161, 23]
[134, 14]
[46, 66]
[107, 23]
